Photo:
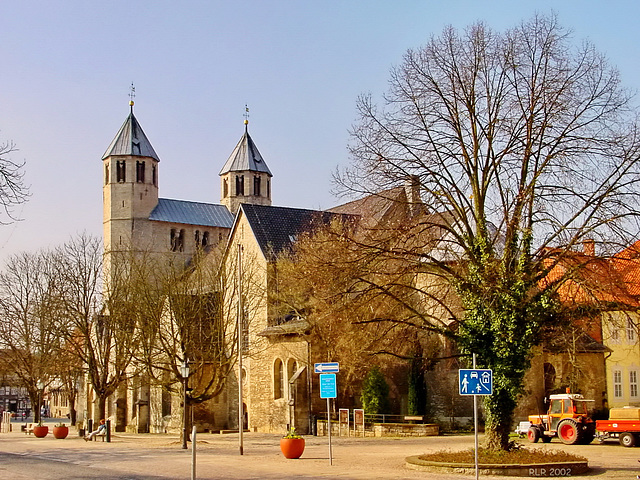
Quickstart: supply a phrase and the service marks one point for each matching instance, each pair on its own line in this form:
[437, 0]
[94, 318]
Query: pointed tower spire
[245, 177]
[130, 139]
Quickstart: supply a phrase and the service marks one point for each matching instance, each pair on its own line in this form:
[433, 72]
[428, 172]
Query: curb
[558, 469]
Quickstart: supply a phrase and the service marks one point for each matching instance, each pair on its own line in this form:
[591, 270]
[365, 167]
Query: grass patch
[516, 456]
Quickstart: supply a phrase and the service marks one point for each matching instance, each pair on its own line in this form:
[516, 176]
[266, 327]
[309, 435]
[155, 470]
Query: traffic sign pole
[329, 425]
[328, 390]
[475, 421]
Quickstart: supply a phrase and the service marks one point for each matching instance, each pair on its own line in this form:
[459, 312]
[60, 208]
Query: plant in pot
[292, 444]
[60, 431]
[40, 430]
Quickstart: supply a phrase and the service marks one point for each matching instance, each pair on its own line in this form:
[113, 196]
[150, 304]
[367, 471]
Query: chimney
[412, 191]
[589, 247]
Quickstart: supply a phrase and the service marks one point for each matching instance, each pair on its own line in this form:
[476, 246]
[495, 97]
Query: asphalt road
[155, 457]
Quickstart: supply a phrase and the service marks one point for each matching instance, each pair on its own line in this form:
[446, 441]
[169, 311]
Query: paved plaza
[155, 457]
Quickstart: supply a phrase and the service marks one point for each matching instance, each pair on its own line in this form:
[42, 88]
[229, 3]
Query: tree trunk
[499, 412]
[73, 414]
[35, 400]
[102, 408]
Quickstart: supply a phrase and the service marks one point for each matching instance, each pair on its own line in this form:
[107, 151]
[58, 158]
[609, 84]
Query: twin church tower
[135, 218]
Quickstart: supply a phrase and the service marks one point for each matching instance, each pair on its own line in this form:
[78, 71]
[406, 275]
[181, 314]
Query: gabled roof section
[277, 228]
[245, 157]
[131, 140]
[192, 213]
[374, 207]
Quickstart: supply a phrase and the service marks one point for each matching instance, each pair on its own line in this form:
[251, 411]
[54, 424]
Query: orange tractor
[567, 418]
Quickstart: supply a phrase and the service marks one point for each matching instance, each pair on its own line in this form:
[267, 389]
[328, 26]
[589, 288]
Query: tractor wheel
[588, 434]
[545, 438]
[533, 434]
[568, 432]
[627, 439]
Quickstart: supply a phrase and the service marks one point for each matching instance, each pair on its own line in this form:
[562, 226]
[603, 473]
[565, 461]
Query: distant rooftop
[192, 213]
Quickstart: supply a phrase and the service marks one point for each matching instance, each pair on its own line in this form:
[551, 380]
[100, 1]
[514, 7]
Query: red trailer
[623, 424]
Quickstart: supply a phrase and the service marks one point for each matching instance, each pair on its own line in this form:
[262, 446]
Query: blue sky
[66, 68]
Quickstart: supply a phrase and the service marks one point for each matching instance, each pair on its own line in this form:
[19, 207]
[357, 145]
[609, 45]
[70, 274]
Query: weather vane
[246, 114]
[132, 95]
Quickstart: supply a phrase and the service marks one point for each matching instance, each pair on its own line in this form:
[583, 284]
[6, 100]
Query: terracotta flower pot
[61, 432]
[41, 431]
[292, 447]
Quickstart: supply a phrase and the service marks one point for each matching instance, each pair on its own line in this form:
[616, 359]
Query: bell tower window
[154, 175]
[106, 174]
[225, 188]
[121, 171]
[256, 186]
[140, 172]
[239, 185]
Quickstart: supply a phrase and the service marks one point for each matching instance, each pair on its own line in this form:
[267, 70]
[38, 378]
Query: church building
[136, 219]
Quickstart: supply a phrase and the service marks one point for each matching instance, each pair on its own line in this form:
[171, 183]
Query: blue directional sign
[475, 381]
[328, 367]
[328, 387]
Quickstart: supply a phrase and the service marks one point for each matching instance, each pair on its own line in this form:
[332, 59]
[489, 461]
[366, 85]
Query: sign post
[328, 390]
[475, 382]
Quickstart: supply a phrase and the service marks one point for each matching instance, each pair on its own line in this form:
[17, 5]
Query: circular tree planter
[61, 432]
[292, 447]
[557, 469]
[41, 431]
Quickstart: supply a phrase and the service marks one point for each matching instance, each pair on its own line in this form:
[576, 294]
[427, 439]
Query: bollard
[193, 453]
[108, 435]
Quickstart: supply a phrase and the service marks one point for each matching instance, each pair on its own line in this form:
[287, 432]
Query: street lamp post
[38, 413]
[184, 370]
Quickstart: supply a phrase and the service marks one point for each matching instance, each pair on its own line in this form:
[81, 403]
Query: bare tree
[189, 314]
[12, 188]
[98, 326]
[323, 281]
[29, 307]
[523, 146]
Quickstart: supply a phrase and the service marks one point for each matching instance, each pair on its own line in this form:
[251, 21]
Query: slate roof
[192, 213]
[131, 140]
[245, 157]
[277, 228]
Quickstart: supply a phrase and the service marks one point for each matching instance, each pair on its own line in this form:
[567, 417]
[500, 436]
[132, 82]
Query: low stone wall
[382, 430]
[405, 429]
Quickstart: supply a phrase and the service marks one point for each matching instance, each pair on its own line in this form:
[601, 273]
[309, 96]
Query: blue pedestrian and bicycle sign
[475, 381]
